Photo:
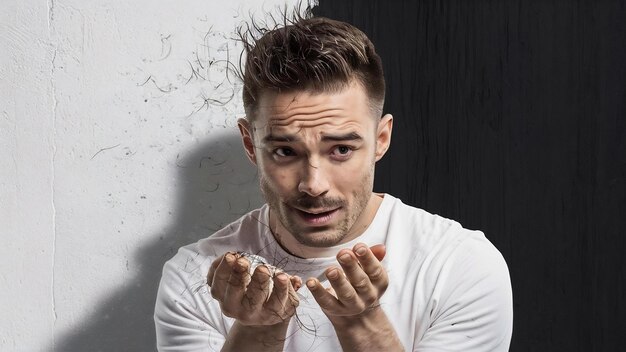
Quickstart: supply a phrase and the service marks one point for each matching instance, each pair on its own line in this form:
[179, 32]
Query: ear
[383, 135]
[247, 139]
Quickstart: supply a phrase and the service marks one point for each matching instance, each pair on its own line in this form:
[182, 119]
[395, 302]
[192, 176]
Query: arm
[352, 301]
[256, 338]
[474, 308]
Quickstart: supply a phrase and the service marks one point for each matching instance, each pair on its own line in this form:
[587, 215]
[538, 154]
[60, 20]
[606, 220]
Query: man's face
[316, 154]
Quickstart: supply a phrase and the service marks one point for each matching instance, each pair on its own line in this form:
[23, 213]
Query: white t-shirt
[449, 287]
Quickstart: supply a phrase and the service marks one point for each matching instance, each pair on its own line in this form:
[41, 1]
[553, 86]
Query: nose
[313, 180]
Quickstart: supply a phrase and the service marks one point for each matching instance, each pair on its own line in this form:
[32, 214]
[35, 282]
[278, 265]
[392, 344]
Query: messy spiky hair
[308, 53]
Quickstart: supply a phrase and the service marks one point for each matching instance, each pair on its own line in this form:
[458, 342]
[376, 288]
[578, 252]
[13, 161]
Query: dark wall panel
[510, 117]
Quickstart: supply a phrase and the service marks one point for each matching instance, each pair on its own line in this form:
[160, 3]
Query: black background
[510, 117]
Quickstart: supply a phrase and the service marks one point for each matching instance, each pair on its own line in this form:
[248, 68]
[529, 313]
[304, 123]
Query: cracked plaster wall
[118, 144]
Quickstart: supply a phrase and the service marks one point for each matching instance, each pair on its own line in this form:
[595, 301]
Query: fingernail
[333, 274]
[361, 251]
[260, 269]
[240, 266]
[296, 282]
[282, 278]
[310, 284]
[344, 258]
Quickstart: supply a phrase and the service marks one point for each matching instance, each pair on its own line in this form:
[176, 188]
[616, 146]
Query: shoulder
[245, 234]
[425, 238]
[248, 230]
[440, 248]
[420, 234]
[457, 274]
[185, 272]
[184, 305]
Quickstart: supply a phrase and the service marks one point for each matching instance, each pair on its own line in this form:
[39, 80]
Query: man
[357, 271]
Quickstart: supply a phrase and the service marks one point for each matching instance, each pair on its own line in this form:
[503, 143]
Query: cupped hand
[356, 286]
[264, 298]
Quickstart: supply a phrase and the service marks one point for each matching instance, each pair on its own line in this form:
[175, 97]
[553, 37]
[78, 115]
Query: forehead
[298, 110]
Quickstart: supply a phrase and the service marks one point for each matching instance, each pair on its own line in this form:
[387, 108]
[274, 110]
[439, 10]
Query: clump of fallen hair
[307, 53]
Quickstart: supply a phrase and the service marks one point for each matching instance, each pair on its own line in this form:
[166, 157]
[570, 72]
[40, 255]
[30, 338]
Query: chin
[320, 238]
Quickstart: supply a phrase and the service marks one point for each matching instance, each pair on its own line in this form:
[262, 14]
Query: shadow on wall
[218, 185]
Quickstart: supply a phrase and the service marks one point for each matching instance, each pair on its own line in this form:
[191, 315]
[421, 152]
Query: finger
[214, 265]
[379, 251]
[221, 276]
[237, 283]
[278, 303]
[296, 282]
[281, 288]
[371, 264]
[331, 291]
[293, 300]
[258, 290]
[359, 280]
[292, 297]
[323, 297]
[345, 292]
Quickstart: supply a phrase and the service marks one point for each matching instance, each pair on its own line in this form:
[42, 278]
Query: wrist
[256, 337]
[370, 318]
[368, 331]
[275, 332]
[263, 328]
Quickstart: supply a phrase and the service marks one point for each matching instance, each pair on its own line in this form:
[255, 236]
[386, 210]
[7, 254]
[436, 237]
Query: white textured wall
[110, 160]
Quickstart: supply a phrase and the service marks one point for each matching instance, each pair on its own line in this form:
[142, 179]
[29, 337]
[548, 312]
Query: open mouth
[317, 217]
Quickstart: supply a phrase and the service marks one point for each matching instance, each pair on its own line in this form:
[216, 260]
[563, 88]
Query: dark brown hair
[316, 54]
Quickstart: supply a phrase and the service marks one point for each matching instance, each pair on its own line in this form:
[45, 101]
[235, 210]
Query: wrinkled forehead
[302, 110]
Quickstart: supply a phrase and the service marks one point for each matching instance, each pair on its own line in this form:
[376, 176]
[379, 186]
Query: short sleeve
[186, 317]
[474, 306]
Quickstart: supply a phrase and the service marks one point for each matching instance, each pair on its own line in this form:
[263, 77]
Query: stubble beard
[322, 236]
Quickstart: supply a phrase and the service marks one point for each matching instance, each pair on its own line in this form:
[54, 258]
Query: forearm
[369, 331]
[256, 338]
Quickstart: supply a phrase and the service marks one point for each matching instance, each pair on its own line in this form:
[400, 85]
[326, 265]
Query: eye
[342, 152]
[284, 152]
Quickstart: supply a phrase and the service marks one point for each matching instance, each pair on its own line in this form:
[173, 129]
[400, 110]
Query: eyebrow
[280, 138]
[351, 136]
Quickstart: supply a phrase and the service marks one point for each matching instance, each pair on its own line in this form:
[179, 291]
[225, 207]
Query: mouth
[317, 217]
